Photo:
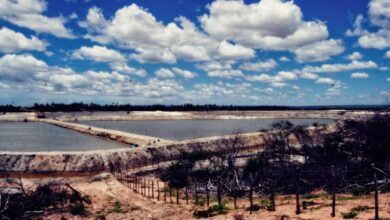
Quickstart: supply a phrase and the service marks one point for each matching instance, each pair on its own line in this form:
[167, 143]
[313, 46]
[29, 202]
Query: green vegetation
[212, 211]
[117, 208]
[310, 196]
[354, 212]
[351, 214]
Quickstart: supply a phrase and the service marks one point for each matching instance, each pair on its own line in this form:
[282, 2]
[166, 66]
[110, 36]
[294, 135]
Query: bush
[77, 209]
[212, 211]
[201, 201]
[117, 208]
[355, 211]
[265, 204]
[351, 214]
[306, 204]
[361, 208]
[310, 196]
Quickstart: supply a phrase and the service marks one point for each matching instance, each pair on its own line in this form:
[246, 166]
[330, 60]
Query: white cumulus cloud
[268, 24]
[28, 14]
[11, 41]
[259, 66]
[319, 51]
[359, 75]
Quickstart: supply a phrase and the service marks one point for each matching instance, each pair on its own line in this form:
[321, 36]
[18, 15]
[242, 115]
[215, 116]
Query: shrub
[306, 204]
[361, 208]
[310, 196]
[212, 211]
[355, 211]
[117, 208]
[265, 204]
[77, 209]
[351, 214]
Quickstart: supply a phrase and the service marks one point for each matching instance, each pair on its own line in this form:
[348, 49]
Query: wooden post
[376, 193]
[297, 191]
[152, 189]
[333, 192]
[148, 189]
[273, 208]
[177, 195]
[141, 186]
[235, 198]
[196, 194]
[208, 195]
[250, 198]
[170, 195]
[145, 187]
[187, 194]
[158, 191]
[219, 193]
[165, 194]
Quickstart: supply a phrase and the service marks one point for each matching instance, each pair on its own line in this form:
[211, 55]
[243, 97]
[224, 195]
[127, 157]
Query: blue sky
[268, 52]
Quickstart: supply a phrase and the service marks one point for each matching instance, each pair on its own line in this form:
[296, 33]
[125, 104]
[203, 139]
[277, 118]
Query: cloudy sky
[267, 52]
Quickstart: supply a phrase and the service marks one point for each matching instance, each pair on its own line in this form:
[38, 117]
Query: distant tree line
[75, 107]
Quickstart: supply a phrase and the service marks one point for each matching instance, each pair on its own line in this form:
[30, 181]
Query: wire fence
[201, 194]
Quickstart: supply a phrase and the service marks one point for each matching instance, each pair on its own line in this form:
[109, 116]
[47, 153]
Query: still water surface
[188, 129]
[36, 136]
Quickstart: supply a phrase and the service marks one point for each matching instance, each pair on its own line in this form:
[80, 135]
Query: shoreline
[190, 115]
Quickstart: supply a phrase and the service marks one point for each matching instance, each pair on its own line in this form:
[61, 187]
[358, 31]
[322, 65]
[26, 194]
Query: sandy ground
[105, 192]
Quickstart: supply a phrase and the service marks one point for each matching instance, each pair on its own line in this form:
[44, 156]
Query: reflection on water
[36, 136]
[187, 129]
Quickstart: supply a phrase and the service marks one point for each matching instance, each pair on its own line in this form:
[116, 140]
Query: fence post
[137, 186]
[376, 193]
[235, 198]
[143, 187]
[187, 194]
[140, 183]
[250, 198]
[148, 189]
[235, 195]
[219, 193]
[177, 195]
[170, 195]
[273, 208]
[196, 193]
[297, 191]
[158, 191]
[333, 192]
[140, 186]
[152, 189]
[208, 195]
[165, 194]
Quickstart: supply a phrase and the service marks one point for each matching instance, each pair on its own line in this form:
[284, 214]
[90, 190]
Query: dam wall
[107, 160]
